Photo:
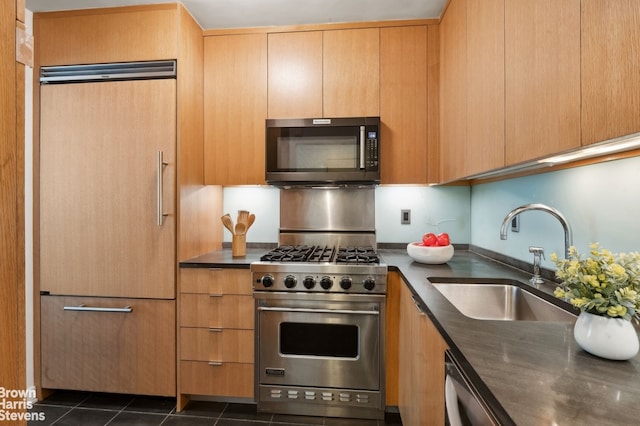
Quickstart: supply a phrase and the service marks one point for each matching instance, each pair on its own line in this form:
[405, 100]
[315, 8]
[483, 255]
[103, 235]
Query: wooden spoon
[243, 216]
[240, 229]
[250, 220]
[227, 222]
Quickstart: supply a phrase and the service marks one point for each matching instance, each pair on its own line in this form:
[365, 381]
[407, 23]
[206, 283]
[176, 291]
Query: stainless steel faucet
[568, 237]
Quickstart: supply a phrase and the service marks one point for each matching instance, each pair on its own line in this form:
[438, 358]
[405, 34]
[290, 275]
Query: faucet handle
[537, 251]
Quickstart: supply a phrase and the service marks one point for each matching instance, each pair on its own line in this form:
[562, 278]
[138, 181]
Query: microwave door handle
[362, 145]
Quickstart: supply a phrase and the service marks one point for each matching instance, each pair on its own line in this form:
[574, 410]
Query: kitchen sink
[500, 299]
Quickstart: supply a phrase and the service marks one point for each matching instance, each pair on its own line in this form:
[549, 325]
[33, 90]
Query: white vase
[606, 337]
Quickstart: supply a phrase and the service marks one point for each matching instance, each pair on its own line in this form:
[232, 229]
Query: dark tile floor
[95, 409]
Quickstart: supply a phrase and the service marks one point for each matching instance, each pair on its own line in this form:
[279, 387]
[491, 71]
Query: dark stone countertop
[530, 373]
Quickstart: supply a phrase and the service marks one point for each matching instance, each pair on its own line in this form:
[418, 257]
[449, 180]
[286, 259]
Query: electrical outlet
[515, 224]
[405, 217]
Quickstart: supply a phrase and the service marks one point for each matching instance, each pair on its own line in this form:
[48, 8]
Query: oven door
[320, 340]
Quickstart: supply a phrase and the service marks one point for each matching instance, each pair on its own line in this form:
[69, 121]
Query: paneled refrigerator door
[107, 188]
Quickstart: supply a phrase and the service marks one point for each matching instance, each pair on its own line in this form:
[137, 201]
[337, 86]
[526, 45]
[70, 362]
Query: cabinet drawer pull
[215, 330]
[84, 308]
[216, 294]
[215, 363]
[214, 269]
[418, 307]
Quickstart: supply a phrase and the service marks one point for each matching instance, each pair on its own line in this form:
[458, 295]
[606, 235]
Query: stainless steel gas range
[320, 302]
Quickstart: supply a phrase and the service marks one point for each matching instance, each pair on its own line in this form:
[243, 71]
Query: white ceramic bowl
[431, 255]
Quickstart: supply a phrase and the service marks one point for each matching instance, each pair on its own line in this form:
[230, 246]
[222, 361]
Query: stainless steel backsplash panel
[331, 209]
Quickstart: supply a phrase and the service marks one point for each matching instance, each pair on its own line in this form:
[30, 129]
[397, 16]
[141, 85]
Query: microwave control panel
[371, 151]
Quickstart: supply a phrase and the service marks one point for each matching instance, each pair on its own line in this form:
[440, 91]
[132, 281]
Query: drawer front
[217, 311]
[115, 345]
[226, 379]
[216, 344]
[215, 281]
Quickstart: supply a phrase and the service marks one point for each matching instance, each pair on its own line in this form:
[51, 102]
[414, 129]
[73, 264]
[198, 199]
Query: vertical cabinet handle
[160, 188]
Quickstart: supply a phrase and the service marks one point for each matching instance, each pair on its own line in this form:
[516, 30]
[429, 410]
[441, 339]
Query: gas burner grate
[322, 254]
[357, 255]
[288, 254]
[316, 254]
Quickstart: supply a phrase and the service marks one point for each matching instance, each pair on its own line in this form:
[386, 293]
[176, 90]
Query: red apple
[443, 239]
[429, 239]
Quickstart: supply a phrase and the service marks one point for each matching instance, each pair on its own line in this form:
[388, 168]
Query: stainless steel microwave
[323, 151]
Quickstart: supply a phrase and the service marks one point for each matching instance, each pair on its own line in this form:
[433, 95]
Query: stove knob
[309, 282]
[267, 281]
[369, 283]
[326, 283]
[345, 283]
[290, 281]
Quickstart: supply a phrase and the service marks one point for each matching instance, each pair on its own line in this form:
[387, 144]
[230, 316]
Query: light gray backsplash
[601, 203]
[433, 209]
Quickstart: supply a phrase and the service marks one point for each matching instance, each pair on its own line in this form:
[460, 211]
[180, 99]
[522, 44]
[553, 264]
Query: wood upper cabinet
[420, 365]
[403, 104]
[107, 35]
[295, 74]
[351, 72]
[99, 231]
[610, 68]
[453, 91]
[333, 73]
[542, 75]
[485, 86]
[510, 83]
[235, 108]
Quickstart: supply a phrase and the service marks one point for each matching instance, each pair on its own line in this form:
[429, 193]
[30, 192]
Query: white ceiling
[213, 14]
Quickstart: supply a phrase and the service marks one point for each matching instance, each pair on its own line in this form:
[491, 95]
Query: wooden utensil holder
[239, 245]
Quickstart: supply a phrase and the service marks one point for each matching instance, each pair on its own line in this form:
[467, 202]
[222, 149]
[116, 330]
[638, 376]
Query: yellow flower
[604, 283]
[616, 311]
[592, 280]
[579, 301]
[617, 271]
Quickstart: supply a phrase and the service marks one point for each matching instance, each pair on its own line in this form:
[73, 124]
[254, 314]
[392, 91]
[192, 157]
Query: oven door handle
[362, 147]
[319, 311]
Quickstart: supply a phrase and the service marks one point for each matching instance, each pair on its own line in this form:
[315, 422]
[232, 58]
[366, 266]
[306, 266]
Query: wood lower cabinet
[216, 333]
[110, 345]
[420, 366]
[392, 326]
